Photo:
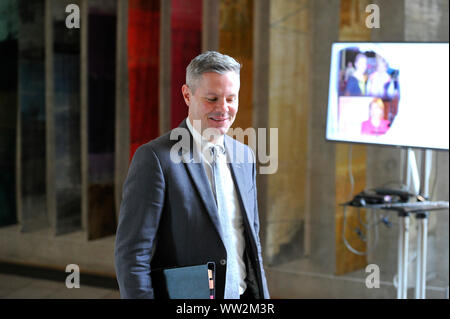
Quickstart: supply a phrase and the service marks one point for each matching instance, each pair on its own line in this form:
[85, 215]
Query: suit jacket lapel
[201, 182]
[238, 164]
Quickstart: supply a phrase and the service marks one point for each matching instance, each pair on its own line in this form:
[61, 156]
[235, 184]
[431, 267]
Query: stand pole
[402, 264]
[422, 229]
[421, 271]
[403, 239]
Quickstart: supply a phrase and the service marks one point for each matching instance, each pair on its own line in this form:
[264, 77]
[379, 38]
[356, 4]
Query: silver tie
[232, 273]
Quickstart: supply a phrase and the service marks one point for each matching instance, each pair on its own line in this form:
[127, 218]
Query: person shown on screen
[349, 70]
[356, 84]
[379, 81]
[190, 195]
[376, 124]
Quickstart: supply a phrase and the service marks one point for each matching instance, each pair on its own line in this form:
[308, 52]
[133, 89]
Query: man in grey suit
[190, 195]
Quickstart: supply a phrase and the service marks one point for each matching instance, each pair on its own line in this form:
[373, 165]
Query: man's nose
[222, 105]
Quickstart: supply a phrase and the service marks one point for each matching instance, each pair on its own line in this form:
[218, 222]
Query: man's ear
[186, 94]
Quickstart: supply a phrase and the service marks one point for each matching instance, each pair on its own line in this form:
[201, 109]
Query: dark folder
[190, 282]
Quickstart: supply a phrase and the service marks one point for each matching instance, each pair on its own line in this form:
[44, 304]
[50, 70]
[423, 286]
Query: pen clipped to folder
[211, 284]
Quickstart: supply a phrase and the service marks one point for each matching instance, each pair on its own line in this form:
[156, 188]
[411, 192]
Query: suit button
[223, 262]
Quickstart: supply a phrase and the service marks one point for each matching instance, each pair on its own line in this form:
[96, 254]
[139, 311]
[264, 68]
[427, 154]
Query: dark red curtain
[186, 21]
[143, 66]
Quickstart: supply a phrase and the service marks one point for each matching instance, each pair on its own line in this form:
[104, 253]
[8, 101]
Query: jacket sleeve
[140, 213]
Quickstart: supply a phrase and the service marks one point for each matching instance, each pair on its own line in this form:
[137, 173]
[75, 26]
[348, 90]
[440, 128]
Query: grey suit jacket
[168, 216]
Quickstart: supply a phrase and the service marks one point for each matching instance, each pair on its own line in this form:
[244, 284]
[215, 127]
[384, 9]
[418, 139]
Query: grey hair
[209, 61]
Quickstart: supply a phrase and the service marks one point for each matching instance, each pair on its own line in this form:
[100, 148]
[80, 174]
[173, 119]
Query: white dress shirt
[234, 212]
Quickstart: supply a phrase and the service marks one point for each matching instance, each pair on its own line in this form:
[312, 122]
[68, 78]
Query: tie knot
[216, 151]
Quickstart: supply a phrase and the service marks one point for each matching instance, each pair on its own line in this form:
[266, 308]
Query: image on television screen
[389, 94]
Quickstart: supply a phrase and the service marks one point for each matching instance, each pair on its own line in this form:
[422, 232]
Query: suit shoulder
[161, 145]
[160, 142]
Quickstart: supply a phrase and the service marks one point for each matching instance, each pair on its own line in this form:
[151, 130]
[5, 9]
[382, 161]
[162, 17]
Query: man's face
[215, 100]
[361, 64]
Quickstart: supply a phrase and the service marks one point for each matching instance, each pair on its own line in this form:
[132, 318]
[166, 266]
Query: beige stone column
[324, 24]
[261, 36]
[289, 98]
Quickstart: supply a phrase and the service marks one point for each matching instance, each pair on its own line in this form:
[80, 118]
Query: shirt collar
[201, 143]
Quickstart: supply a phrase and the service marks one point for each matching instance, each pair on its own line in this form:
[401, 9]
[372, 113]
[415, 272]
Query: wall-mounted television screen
[389, 94]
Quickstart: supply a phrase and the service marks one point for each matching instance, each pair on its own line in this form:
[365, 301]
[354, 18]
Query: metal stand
[421, 270]
[422, 228]
[402, 265]
[422, 233]
[421, 209]
[403, 240]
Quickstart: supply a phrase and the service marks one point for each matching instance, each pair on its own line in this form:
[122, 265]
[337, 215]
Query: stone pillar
[261, 42]
[288, 112]
[165, 68]
[122, 142]
[64, 160]
[32, 114]
[324, 24]
[9, 121]
[84, 21]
